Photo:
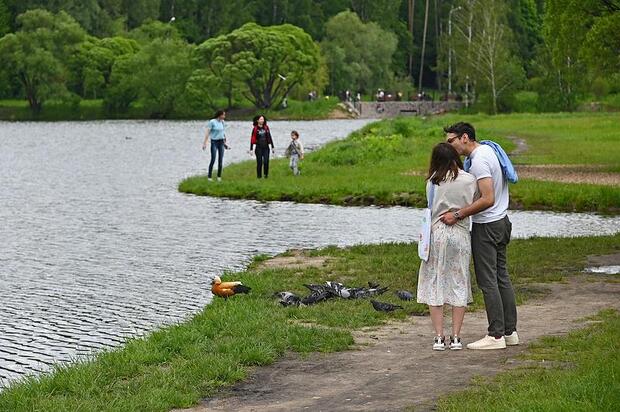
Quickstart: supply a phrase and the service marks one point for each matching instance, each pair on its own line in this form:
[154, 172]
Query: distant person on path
[260, 142]
[294, 151]
[444, 279]
[489, 237]
[215, 132]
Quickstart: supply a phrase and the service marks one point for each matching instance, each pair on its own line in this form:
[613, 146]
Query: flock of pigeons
[318, 293]
[331, 289]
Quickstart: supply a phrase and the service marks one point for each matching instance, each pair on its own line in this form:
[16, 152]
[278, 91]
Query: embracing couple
[475, 199]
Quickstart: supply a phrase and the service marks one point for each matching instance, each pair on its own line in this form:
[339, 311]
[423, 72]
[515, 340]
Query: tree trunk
[410, 27]
[423, 46]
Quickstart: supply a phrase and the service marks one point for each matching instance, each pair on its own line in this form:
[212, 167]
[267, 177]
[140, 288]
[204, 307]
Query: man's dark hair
[460, 128]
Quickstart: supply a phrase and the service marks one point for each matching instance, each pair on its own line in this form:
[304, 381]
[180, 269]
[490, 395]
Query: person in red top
[260, 142]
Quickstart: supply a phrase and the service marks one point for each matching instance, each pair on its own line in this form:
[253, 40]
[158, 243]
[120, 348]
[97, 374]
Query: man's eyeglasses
[450, 140]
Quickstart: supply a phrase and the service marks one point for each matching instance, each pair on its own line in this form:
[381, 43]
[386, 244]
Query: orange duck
[226, 289]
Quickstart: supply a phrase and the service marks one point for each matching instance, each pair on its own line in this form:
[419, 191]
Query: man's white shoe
[488, 342]
[512, 339]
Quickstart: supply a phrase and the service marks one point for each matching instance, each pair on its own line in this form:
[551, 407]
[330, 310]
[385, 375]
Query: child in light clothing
[295, 151]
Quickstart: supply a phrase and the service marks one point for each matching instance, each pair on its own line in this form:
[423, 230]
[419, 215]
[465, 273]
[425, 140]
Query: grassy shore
[578, 372]
[385, 164]
[18, 110]
[180, 364]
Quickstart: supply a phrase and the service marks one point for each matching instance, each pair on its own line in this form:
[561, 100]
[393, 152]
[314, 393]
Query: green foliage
[601, 49]
[37, 53]
[5, 18]
[268, 62]
[358, 54]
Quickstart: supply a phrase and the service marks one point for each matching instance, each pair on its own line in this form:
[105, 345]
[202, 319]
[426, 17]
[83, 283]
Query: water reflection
[97, 244]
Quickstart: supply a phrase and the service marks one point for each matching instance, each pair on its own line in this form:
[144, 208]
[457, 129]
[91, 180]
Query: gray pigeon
[338, 289]
[288, 299]
[359, 293]
[404, 295]
[384, 306]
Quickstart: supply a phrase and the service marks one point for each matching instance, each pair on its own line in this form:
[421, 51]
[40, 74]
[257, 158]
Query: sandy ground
[393, 367]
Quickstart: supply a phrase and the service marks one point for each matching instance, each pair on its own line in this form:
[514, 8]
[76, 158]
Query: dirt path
[394, 367]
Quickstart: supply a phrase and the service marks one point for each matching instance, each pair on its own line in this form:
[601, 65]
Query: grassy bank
[176, 366]
[18, 110]
[576, 372]
[385, 163]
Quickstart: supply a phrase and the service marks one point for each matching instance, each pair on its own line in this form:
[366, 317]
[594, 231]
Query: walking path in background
[393, 366]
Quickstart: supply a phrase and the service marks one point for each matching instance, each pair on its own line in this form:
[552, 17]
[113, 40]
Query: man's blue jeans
[217, 147]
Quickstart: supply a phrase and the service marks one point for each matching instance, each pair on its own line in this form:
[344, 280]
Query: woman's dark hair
[258, 116]
[460, 128]
[445, 164]
[218, 114]
[295, 133]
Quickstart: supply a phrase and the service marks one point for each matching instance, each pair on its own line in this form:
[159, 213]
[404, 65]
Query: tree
[359, 55]
[5, 19]
[268, 62]
[156, 76]
[37, 52]
[491, 63]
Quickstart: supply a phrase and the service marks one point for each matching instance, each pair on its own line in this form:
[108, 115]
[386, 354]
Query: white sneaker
[209, 179]
[455, 343]
[440, 343]
[488, 342]
[219, 179]
[512, 339]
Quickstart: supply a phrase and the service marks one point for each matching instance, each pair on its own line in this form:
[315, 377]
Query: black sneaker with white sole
[440, 343]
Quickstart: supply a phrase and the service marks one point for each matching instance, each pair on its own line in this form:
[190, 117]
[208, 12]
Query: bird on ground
[359, 293]
[404, 294]
[314, 288]
[227, 289]
[384, 306]
[338, 289]
[372, 284]
[288, 299]
[316, 297]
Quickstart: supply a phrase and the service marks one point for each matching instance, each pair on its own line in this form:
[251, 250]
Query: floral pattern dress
[445, 278]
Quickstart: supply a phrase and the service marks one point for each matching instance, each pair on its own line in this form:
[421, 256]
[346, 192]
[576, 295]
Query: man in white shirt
[489, 237]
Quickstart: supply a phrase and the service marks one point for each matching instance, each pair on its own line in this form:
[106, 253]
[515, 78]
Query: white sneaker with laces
[488, 342]
[440, 343]
[512, 339]
[455, 343]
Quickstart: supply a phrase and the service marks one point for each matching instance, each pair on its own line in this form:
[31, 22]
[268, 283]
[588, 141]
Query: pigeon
[288, 299]
[404, 294]
[338, 289]
[315, 297]
[316, 288]
[384, 306]
[373, 285]
[227, 289]
[359, 293]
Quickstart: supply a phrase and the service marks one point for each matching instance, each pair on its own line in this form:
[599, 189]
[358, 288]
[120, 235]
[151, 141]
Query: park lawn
[578, 372]
[385, 162]
[180, 364]
[92, 109]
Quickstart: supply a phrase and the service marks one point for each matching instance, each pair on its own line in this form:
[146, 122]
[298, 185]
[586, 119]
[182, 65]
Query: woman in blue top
[215, 130]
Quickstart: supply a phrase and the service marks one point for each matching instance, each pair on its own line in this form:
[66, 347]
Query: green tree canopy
[359, 55]
[267, 62]
[36, 54]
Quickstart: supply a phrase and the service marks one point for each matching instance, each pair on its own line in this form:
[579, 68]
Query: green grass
[178, 365]
[385, 163]
[574, 373]
[93, 110]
